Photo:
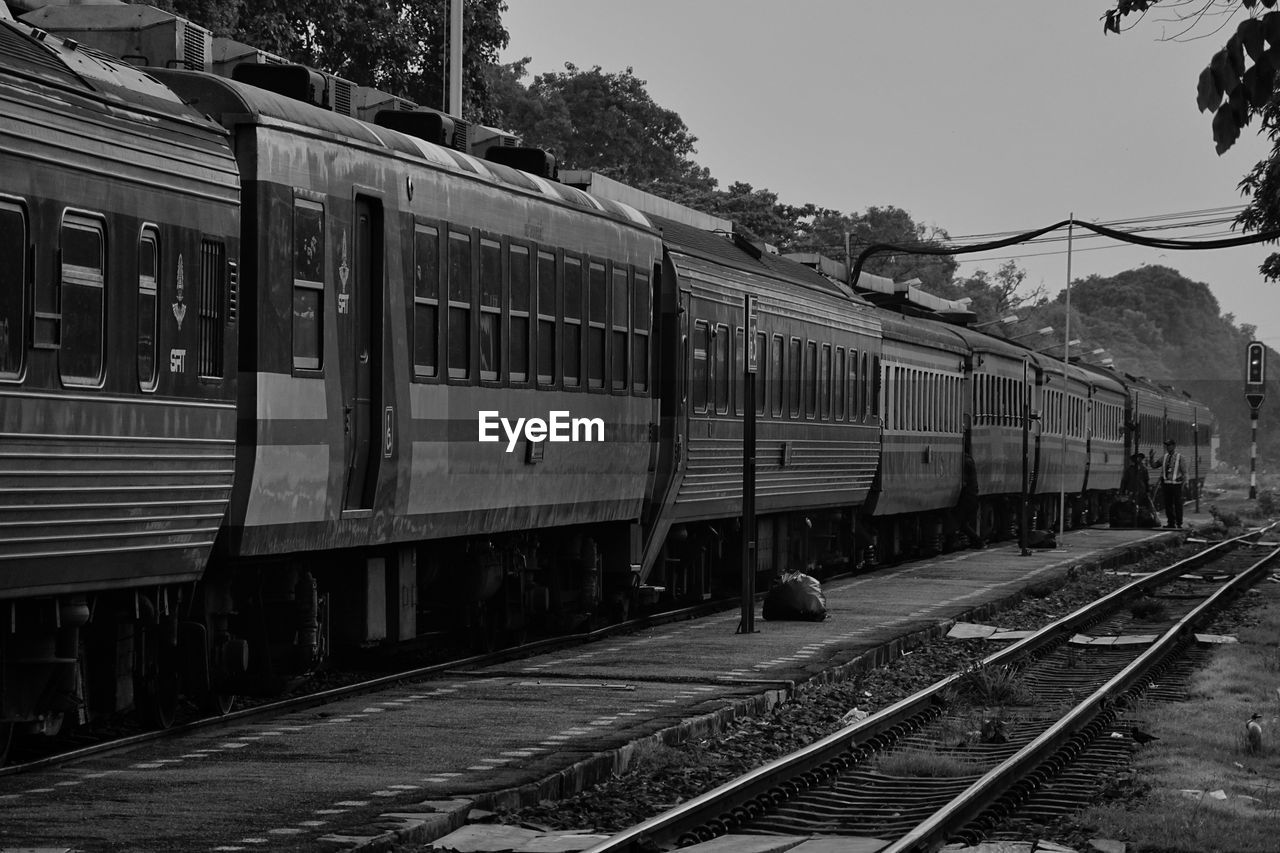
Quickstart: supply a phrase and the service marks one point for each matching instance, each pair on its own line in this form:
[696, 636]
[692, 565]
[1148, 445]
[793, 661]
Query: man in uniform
[1173, 474]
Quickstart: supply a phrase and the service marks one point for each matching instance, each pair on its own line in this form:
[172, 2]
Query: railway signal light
[1256, 363]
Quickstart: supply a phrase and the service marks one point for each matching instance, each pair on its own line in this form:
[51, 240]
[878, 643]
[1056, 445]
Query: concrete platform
[409, 763]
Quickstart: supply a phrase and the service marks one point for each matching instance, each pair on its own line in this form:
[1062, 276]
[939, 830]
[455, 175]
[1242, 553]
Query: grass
[1202, 749]
[993, 687]
[1147, 609]
[929, 764]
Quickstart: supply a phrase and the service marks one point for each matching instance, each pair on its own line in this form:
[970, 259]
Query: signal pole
[747, 623]
[1255, 372]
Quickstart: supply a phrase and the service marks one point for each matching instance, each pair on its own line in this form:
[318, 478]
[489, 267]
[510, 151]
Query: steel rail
[969, 805]
[896, 719]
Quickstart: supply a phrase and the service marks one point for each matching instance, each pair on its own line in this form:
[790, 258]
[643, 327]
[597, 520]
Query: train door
[360, 324]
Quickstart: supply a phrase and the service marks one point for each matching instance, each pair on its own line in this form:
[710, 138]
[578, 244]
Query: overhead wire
[1157, 222]
[1133, 236]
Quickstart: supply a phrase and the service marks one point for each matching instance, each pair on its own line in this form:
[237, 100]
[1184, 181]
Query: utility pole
[455, 58]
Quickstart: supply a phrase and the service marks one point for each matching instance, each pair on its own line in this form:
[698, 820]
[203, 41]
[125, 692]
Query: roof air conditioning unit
[293, 81]
[141, 35]
[535, 161]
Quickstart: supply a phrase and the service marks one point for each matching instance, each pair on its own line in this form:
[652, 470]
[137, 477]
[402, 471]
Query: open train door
[360, 303]
[672, 317]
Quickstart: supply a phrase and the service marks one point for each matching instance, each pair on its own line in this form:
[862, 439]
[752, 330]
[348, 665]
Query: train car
[922, 394]
[118, 333]
[999, 378]
[1107, 458]
[1059, 450]
[816, 416]
[1155, 412]
[404, 305]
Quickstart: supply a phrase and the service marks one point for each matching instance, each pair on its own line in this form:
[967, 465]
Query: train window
[776, 375]
[890, 392]
[794, 371]
[426, 301]
[213, 295]
[872, 382]
[701, 368]
[572, 321]
[490, 309]
[910, 400]
[810, 379]
[13, 279]
[618, 351]
[308, 284]
[929, 411]
[898, 412]
[147, 315]
[824, 383]
[762, 359]
[924, 389]
[519, 301]
[597, 314]
[641, 311]
[838, 383]
[720, 381]
[738, 372]
[460, 298]
[83, 252]
[546, 318]
[855, 413]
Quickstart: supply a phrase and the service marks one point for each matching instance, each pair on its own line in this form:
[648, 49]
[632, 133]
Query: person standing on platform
[1173, 475]
[967, 507]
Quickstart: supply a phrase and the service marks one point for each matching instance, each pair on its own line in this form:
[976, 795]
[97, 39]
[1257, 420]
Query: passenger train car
[278, 380]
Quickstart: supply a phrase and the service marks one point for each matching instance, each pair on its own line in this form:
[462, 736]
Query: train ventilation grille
[194, 41]
[342, 96]
[233, 291]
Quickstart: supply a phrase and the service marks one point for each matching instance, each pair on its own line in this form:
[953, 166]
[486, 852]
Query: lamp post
[1047, 330]
[1003, 321]
[1067, 346]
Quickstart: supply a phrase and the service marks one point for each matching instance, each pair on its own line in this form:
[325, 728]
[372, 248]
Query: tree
[894, 225]
[998, 295]
[1238, 83]
[398, 46]
[604, 122]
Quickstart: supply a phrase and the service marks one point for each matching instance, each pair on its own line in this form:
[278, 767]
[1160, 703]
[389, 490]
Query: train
[289, 367]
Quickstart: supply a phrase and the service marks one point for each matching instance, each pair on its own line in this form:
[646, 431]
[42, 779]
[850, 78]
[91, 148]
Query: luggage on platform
[796, 596]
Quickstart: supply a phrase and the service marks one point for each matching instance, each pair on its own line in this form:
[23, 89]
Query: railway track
[1077, 677]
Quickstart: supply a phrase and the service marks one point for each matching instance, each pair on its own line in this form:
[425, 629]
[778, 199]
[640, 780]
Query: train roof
[933, 333]
[980, 341]
[734, 251]
[229, 101]
[40, 57]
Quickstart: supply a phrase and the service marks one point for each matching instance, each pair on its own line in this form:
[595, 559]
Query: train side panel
[922, 396]
[116, 371]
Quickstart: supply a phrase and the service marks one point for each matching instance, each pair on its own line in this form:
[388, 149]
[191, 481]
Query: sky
[978, 117]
